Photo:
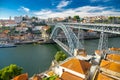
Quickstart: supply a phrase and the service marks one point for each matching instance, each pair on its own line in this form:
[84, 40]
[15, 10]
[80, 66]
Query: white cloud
[63, 3]
[81, 11]
[99, 0]
[89, 8]
[22, 8]
[43, 12]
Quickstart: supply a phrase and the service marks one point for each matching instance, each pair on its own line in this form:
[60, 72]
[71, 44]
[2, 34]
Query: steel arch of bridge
[103, 28]
[72, 39]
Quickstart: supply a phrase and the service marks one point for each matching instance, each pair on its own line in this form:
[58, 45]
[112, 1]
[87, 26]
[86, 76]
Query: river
[37, 58]
[33, 58]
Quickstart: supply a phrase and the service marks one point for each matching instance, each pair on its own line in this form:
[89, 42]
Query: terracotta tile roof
[4, 22]
[21, 77]
[115, 57]
[6, 31]
[3, 35]
[45, 28]
[98, 52]
[103, 77]
[114, 49]
[90, 31]
[77, 65]
[68, 76]
[110, 65]
[37, 78]
[81, 52]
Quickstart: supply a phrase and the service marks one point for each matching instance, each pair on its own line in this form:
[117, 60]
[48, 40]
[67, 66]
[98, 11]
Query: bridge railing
[85, 24]
[109, 28]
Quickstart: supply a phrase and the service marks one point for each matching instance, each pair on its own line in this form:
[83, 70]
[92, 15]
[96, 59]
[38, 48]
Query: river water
[33, 58]
[37, 58]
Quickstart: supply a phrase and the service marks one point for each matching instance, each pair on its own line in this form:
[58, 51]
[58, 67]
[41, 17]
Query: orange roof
[6, 31]
[45, 28]
[68, 76]
[103, 77]
[36, 78]
[77, 65]
[98, 52]
[21, 77]
[90, 31]
[114, 49]
[115, 57]
[110, 65]
[81, 52]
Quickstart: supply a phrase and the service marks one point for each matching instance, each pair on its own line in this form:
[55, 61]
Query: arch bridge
[74, 41]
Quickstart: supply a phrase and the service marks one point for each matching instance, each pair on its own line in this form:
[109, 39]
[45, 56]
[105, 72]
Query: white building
[18, 19]
[37, 28]
[21, 29]
[73, 68]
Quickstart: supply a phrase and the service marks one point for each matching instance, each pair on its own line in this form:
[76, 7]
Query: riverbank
[40, 41]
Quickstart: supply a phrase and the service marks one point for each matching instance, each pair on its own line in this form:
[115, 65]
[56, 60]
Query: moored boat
[6, 45]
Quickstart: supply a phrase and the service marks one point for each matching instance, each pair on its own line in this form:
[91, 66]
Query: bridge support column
[103, 41]
[80, 38]
[103, 44]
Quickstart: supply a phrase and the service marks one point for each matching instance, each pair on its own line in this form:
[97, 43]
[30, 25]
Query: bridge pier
[103, 44]
[80, 38]
[103, 41]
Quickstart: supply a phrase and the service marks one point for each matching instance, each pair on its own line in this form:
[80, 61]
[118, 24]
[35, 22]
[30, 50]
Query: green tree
[76, 17]
[29, 30]
[69, 17]
[111, 19]
[50, 78]
[60, 56]
[24, 19]
[34, 18]
[9, 72]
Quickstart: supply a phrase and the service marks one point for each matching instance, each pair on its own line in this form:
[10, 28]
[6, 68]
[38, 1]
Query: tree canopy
[34, 18]
[60, 56]
[9, 72]
[76, 17]
[50, 78]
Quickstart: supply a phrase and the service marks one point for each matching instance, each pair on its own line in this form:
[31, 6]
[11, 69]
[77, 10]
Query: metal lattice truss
[72, 39]
[108, 28]
[103, 41]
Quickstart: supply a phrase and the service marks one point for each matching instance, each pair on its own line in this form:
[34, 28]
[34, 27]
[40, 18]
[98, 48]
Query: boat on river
[6, 45]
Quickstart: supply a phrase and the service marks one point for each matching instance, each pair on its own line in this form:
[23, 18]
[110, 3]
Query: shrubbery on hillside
[9, 72]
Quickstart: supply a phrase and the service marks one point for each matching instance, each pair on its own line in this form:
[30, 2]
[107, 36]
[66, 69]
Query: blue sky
[58, 8]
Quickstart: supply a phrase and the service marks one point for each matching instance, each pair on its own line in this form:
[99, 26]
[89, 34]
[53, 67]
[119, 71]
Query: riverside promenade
[37, 41]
